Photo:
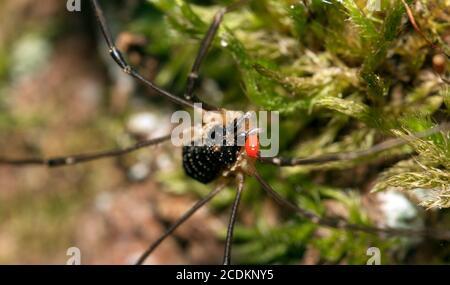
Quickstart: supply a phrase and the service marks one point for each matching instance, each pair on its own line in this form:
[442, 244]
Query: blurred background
[60, 93]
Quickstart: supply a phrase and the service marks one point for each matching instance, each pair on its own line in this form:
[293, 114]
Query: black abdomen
[206, 163]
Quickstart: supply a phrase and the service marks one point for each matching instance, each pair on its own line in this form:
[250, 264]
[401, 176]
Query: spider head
[240, 132]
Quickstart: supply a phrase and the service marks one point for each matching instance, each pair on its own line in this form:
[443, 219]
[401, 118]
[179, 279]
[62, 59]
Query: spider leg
[232, 222]
[179, 222]
[79, 158]
[204, 47]
[117, 56]
[342, 224]
[352, 155]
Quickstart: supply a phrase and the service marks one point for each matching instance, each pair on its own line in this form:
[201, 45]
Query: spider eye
[252, 146]
[217, 132]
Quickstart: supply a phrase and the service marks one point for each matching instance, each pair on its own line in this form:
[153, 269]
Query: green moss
[339, 64]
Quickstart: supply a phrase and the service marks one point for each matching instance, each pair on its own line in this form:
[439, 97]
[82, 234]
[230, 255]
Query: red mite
[252, 146]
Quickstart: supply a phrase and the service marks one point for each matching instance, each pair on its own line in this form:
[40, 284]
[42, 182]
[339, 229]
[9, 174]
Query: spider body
[206, 163]
[216, 151]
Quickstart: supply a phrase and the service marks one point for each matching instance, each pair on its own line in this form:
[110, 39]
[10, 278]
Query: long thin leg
[78, 158]
[204, 47]
[232, 222]
[345, 156]
[128, 69]
[178, 223]
[342, 224]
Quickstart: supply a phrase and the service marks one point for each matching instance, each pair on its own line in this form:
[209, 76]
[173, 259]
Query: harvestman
[225, 162]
